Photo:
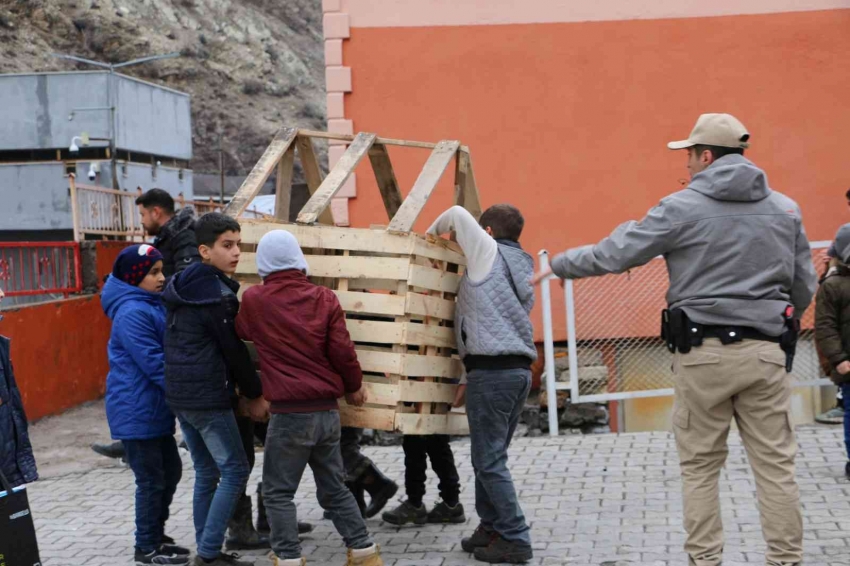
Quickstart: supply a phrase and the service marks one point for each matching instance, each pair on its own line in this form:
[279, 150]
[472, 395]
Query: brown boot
[370, 556]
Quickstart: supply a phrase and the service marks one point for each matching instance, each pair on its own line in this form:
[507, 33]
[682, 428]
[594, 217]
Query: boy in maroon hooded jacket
[307, 362]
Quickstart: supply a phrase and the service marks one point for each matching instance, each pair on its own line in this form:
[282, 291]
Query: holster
[678, 332]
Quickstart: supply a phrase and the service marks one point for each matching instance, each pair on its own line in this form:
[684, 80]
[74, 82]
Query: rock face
[251, 66]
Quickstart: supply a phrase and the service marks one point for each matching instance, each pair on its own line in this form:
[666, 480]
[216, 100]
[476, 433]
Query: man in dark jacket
[832, 323]
[16, 459]
[204, 363]
[175, 234]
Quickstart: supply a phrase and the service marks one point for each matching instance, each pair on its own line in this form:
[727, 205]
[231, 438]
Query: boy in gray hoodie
[496, 343]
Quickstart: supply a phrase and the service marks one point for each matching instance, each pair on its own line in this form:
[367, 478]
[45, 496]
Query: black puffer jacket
[16, 460]
[204, 358]
[177, 244]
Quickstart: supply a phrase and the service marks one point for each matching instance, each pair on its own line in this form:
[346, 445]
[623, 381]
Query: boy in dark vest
[496, 343]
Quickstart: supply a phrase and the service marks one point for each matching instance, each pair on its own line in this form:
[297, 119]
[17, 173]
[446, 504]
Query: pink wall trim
[424, 13]
[336, 24]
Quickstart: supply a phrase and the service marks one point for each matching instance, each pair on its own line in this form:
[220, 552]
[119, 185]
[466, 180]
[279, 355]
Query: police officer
[741, 273]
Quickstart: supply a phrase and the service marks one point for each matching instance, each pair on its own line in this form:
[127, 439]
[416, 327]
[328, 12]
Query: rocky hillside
[251, 66]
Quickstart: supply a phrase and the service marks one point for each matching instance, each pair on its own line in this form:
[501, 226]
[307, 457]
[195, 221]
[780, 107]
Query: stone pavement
[591, 500]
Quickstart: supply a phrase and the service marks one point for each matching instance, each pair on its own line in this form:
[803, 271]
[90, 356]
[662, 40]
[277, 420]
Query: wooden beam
[412, 423]
[430, 307]
[433, 279]
[348, 267]
[283, 185]
[366, 417]
[385, 176]
[383, 141]
[260, 173]
[312, 173]
[412, 206]
[371, 303]
[466, 191]
[408, 365]
[404, 333]
[321, 199]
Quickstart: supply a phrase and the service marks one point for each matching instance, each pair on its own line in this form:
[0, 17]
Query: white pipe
[569, 297]
[548, 345]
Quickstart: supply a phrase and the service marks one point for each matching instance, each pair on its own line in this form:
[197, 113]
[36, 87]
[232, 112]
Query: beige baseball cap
[723, 130]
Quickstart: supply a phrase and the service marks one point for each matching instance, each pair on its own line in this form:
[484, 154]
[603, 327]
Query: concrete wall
[136, 175]
[35, 197]
[36, 107]
[149, 119]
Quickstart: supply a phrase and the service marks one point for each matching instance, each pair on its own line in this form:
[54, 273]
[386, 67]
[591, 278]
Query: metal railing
[614, 351]
[98, 211]
[40, 268]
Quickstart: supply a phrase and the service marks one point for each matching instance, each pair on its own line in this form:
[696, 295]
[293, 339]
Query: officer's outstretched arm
[630, 245]
[805, 277]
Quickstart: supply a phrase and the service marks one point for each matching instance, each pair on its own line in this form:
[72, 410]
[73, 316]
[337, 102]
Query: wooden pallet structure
[397, 287]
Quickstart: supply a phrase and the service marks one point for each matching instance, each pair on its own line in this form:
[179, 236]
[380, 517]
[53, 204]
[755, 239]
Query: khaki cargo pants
[745, 381]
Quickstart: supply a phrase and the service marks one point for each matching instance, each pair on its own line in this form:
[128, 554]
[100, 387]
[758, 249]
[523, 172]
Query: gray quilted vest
[491, 318]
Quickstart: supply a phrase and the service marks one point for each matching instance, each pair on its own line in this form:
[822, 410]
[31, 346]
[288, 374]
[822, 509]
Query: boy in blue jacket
[135, 396]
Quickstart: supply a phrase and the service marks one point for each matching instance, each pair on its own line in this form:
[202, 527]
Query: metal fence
[98, 211]
[40, 268]
[614, 350]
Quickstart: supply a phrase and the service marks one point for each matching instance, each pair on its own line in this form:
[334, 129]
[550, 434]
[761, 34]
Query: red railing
[40, 268]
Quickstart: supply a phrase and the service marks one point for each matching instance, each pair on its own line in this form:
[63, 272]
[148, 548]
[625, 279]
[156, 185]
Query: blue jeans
[293, 441]
[157, 466]
[494, 401]
[217, 454]
[845, 390]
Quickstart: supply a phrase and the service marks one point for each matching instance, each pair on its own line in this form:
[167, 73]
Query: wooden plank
[412, 423]
[409, 365]
[382, 393]
[321, 199]
[412, 206]
[434, 307]
[349, 267]
[466, 191]
[385, 176]
[433, 279]
[439, 249]
[366, 417]
[260, 173]
[312, 173]
[371, 303]
[331, 237]
[404, 333]
[349, 137]
[283, 185]
[422, 392]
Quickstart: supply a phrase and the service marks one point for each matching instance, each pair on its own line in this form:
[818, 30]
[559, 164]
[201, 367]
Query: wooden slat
[366, 417]
[405, 333]
[349, 267]
[385, 176]
[412, 423]
[433, 279]
[416, 334]
[312, 173]
[260, 173]
[382, 393]
[321, 199]
[422, 392]
[439, 249]
[283, 185]
[411, 365]
[466, 191]
[371, 303]
[412, 206]
[435, 307]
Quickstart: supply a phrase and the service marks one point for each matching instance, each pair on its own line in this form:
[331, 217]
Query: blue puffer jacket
[16, 459]
[135, 387]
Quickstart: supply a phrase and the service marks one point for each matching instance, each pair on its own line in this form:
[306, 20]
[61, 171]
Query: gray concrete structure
[42, 113]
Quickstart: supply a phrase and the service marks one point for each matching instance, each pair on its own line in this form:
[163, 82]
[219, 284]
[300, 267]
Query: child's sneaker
[159, 557]
[171, 548]
[442, 513]
[370, 556]
[406, 513]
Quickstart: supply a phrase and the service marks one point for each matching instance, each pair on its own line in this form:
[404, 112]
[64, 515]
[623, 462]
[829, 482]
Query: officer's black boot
[359, 496]
[241, 534]
[380, 488]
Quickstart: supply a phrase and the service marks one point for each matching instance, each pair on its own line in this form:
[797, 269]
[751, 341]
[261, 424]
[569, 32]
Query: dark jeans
[221, 473]
[845, 390]
[295, 440]
[157, 466]
[352, 458]
[494, 401]
[417, 450]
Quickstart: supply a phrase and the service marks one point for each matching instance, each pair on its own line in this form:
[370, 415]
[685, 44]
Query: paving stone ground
[591, 500]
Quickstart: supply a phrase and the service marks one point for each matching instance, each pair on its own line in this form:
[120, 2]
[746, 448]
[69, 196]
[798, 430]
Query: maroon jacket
[307, 358]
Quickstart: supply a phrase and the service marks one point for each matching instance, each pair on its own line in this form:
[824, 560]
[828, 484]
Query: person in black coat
[16, 458]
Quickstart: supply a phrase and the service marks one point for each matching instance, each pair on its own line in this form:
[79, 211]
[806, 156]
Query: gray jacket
[491, 318]
[736, 251]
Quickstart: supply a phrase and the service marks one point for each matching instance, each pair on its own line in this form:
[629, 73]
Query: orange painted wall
[59, 353]
[569, 121]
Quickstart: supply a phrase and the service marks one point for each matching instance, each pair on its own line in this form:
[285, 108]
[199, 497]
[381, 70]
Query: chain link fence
[614, 344]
